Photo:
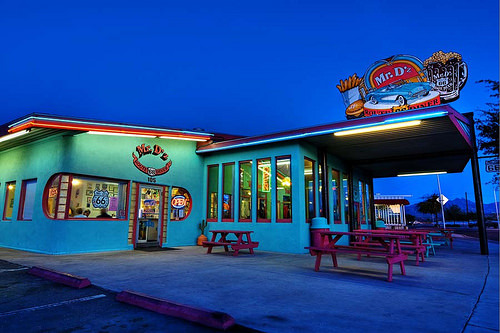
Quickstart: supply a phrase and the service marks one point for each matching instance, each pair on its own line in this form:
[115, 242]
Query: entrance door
[149, 216]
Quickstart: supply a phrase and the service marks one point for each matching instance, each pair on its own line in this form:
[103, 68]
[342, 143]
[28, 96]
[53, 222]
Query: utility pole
[441, 202]
[466, 209]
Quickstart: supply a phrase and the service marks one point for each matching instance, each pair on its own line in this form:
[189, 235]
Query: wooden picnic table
[390, 248]
[243, 241]
[413, 240]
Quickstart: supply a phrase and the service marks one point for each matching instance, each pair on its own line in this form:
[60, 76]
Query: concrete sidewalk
[455, 291]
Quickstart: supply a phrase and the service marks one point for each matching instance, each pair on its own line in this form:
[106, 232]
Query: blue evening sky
[231, 66]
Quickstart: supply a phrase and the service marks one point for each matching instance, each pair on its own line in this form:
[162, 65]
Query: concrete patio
[454, 291]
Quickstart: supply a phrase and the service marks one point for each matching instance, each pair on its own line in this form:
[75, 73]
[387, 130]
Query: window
[228, 192]
[310, 189]
[245, 191]
[362, 196]
[180, 204]
[320, 189]
[212, 189]
[345, 186]
[9, 200]
[72, 196]
[264, 190]
[368, 193]
[337, 218]
[283, 190]
[27, 202]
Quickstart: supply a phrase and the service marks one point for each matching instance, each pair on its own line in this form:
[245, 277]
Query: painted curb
[59, 277]
[218, 320]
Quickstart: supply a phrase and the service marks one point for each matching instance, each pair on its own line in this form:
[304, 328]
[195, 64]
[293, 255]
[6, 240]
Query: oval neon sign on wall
[178, 202]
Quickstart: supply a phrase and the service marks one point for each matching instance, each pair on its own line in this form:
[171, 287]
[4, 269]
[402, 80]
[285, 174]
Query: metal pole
[478, 193]
[466, 208]
[496, 204]
[441, 202]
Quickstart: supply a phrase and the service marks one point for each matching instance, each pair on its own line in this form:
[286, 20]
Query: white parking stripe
[41, 307]
[13, 269]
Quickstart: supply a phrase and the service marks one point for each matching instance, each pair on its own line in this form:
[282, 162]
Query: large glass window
[337, 218]
[212, 188]
[264, 190]
[283, 190]
[368, 193]
[345, 186]
[245, 191]
[71, 196]
[9, 200]
[27, 199]
[310, 189]
[228, 192]
[180, 204]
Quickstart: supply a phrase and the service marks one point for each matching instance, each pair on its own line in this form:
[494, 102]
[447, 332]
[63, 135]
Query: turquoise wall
[98, 156]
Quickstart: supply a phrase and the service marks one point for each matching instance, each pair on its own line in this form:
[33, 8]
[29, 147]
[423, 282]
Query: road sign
[492, 166]
[444, 199]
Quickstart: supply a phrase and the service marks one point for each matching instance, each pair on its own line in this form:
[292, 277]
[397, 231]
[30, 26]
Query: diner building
[70, 185]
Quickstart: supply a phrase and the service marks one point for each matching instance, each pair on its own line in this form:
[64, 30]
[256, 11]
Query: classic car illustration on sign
[404, 82]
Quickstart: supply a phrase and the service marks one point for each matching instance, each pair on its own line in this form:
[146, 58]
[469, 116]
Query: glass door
[149, 215]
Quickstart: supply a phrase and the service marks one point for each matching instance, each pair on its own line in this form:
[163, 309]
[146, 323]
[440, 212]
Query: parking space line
[13, 269]
[41, 307]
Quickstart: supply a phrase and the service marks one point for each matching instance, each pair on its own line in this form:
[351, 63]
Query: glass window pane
[9, 200]
[97, 198]
[213, 188]
[362, 196]
[368, 196]
[264, 189]
[283, 189]
[345, 186]
[245, 190]
[336, 196]
[52, 196]
[228, 191]
[29, 199]
[310, 189]
[180, 204]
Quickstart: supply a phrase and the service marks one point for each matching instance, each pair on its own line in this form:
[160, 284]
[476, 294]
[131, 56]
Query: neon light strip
[103, 129]
[108, 125]
[422, 173]
[12, 136]
[121, 134]
[379, 128]
[329, 131]
[179, 138]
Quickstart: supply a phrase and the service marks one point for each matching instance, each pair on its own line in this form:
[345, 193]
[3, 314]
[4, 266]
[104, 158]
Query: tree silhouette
[430, 205]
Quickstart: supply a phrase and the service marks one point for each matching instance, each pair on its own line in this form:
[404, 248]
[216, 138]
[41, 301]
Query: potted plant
[202, 237]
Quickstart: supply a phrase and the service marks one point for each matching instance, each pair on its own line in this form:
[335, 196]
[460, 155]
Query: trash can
[320, 224]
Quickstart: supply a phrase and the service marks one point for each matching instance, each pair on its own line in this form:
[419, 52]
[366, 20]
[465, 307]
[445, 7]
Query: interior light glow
[378, 128]
[422, 173]
[121, 134]
[181, 138]
[10, 187]
[75, 182]
[12, 136]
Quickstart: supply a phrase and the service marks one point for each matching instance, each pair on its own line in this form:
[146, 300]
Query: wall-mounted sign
[100, 199]
[492, 166]
[178, 202]
[143, 150]
[404, 82]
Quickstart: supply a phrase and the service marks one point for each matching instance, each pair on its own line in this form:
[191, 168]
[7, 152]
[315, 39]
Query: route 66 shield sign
[100, 198]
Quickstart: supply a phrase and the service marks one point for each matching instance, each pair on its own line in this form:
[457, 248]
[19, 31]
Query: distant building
[391, 210]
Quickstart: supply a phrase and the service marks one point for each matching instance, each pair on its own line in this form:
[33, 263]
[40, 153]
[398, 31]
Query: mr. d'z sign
[143, 150]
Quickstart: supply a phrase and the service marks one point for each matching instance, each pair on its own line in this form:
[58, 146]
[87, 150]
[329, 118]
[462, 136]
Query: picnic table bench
[412, 241]
[390, 249]
[243, 241]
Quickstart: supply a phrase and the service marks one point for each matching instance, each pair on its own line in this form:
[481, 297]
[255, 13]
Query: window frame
[313, 190]
[170, 194]
[239, 190]
[338, 195]
[266, 220]
[231, 219]
[69, 189]
[22, 200]
[7, 184]
[216, 219]
[289, 158]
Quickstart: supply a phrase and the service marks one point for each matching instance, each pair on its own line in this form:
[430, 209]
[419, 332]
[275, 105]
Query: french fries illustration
[349, 83]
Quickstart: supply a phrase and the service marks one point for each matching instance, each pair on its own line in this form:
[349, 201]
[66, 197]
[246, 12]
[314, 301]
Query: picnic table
[413, 241]
[243, 241]
[390, 248]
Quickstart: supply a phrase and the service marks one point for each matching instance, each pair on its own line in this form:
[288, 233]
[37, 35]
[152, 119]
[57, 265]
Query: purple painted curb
[218, 320]
[59, 277]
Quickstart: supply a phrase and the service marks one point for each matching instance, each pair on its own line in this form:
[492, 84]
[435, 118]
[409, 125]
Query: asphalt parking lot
[32, 304]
